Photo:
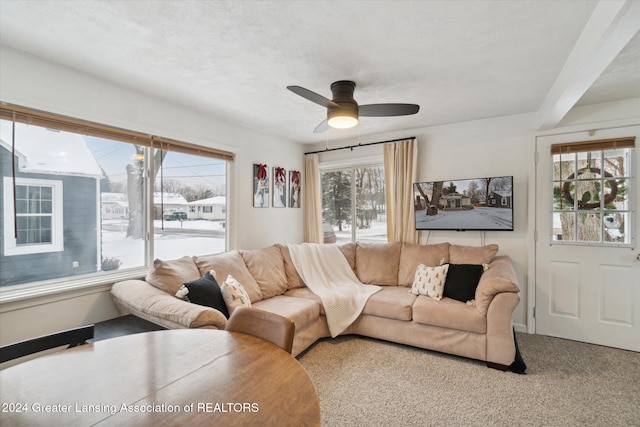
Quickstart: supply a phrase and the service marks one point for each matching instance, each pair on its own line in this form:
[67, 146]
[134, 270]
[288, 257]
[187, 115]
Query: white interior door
[587, 286]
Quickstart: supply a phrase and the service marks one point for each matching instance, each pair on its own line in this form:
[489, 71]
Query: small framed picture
[295, 195]
[279, 187]
[260, 186]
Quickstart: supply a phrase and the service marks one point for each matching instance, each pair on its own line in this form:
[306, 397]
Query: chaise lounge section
[480, 328]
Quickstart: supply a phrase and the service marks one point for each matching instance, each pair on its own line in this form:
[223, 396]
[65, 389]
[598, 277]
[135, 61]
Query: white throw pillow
[430, 281]
[234, 294]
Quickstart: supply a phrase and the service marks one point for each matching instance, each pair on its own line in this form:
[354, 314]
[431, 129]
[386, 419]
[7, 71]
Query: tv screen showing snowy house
[465, 204]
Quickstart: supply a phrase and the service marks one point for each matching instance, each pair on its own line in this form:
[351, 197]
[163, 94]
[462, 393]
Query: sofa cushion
[169, 275]
[234, 294]
[267, 268]
[305, 293]
[430, 281]
[448, 313]
[204, 291]
[230, 263]
[293, 278]
[377, 263]
[462, 281]
[300, 311]
[392, 302]
[349, 252]
[413, 255]
[472, 254]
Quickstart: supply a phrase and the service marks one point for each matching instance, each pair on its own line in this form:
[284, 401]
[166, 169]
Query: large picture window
[87, 203]
[592, 192]
[353, 205]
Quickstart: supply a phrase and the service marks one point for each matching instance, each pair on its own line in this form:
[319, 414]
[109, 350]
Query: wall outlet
[75, 264]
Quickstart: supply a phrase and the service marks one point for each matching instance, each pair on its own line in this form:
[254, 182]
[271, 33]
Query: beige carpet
[365, 382]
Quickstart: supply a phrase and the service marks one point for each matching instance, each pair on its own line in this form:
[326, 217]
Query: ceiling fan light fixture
[342, 122]
[343, 118]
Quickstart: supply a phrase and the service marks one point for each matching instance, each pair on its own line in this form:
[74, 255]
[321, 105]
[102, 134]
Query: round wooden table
[174, 377]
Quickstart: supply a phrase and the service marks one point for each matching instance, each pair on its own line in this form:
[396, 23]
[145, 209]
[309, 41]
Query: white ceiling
[459, 60]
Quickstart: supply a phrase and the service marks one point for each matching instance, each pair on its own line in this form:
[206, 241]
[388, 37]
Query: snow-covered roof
[42, 150]
[503, 193]
[168, 199]
[113, 197]
[218, 200]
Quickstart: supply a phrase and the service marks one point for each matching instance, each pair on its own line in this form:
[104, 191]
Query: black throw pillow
[206, 291]
[462, 281]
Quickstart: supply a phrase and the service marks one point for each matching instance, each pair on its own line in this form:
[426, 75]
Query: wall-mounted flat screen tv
[484, 204]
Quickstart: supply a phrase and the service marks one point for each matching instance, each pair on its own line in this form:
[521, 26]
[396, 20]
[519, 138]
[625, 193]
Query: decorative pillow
[377, 263]
[204, 291]
[266, 265]
[462, 281]
[168, 276]
[230, 263]
[412, 255]
[472, 254]
[293, 278]
[430, 281]
[234, 294]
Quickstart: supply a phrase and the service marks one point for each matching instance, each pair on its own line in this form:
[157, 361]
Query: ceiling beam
[610, 27]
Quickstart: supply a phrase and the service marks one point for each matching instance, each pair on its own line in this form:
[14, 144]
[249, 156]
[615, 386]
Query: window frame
[98, 279]
[11, 246]
[600, 147]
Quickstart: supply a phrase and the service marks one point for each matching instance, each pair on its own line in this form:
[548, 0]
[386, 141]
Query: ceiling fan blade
[312, 96]
[385, 110]
[322, 127]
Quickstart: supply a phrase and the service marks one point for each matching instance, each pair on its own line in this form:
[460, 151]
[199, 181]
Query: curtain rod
[351, 147]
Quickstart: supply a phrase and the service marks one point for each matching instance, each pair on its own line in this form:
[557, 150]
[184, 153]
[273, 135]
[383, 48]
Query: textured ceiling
[232, 60]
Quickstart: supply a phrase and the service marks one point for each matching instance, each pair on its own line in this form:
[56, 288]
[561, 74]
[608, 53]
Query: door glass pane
[614, 227]
[589, 227]
[616, 163]
[564, 226]
[564, 165]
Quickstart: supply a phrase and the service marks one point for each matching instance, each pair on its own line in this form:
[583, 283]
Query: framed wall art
[279, 187]
[260, 186]
[295, 195]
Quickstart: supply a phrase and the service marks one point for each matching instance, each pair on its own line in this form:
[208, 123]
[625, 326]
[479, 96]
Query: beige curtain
[399, 171]
[312, 200]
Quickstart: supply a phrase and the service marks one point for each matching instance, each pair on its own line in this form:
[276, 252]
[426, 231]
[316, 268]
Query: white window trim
[11, 247]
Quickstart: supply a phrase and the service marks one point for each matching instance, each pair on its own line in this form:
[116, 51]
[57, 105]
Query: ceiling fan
[343, 111]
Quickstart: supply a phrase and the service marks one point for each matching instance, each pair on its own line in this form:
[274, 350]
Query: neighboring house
[500, 199]
[56, 233]
[213, 208]
[455, 201]
[114, 206]
[165, 203]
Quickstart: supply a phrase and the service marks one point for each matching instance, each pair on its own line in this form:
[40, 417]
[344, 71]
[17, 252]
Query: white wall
[33, 82]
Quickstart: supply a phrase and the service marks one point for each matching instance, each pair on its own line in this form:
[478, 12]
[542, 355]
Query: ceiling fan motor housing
[343, 96]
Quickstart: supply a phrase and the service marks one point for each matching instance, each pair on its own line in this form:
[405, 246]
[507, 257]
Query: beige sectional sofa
[479, 329]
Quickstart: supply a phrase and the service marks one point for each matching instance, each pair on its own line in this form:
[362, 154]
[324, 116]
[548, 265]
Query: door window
[592, 194]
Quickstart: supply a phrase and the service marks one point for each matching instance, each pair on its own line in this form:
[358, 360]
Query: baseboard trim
[519, 327]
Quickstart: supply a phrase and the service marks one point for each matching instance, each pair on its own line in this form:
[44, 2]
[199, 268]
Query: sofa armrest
[140, 298]
[500, 277]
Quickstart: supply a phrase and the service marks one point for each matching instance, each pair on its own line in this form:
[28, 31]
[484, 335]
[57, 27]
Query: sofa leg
[497, 366]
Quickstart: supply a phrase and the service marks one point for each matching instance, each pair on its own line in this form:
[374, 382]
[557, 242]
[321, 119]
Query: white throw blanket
[327, 273]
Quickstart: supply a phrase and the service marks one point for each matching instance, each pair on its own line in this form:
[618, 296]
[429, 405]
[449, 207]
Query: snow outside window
[354, 205]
